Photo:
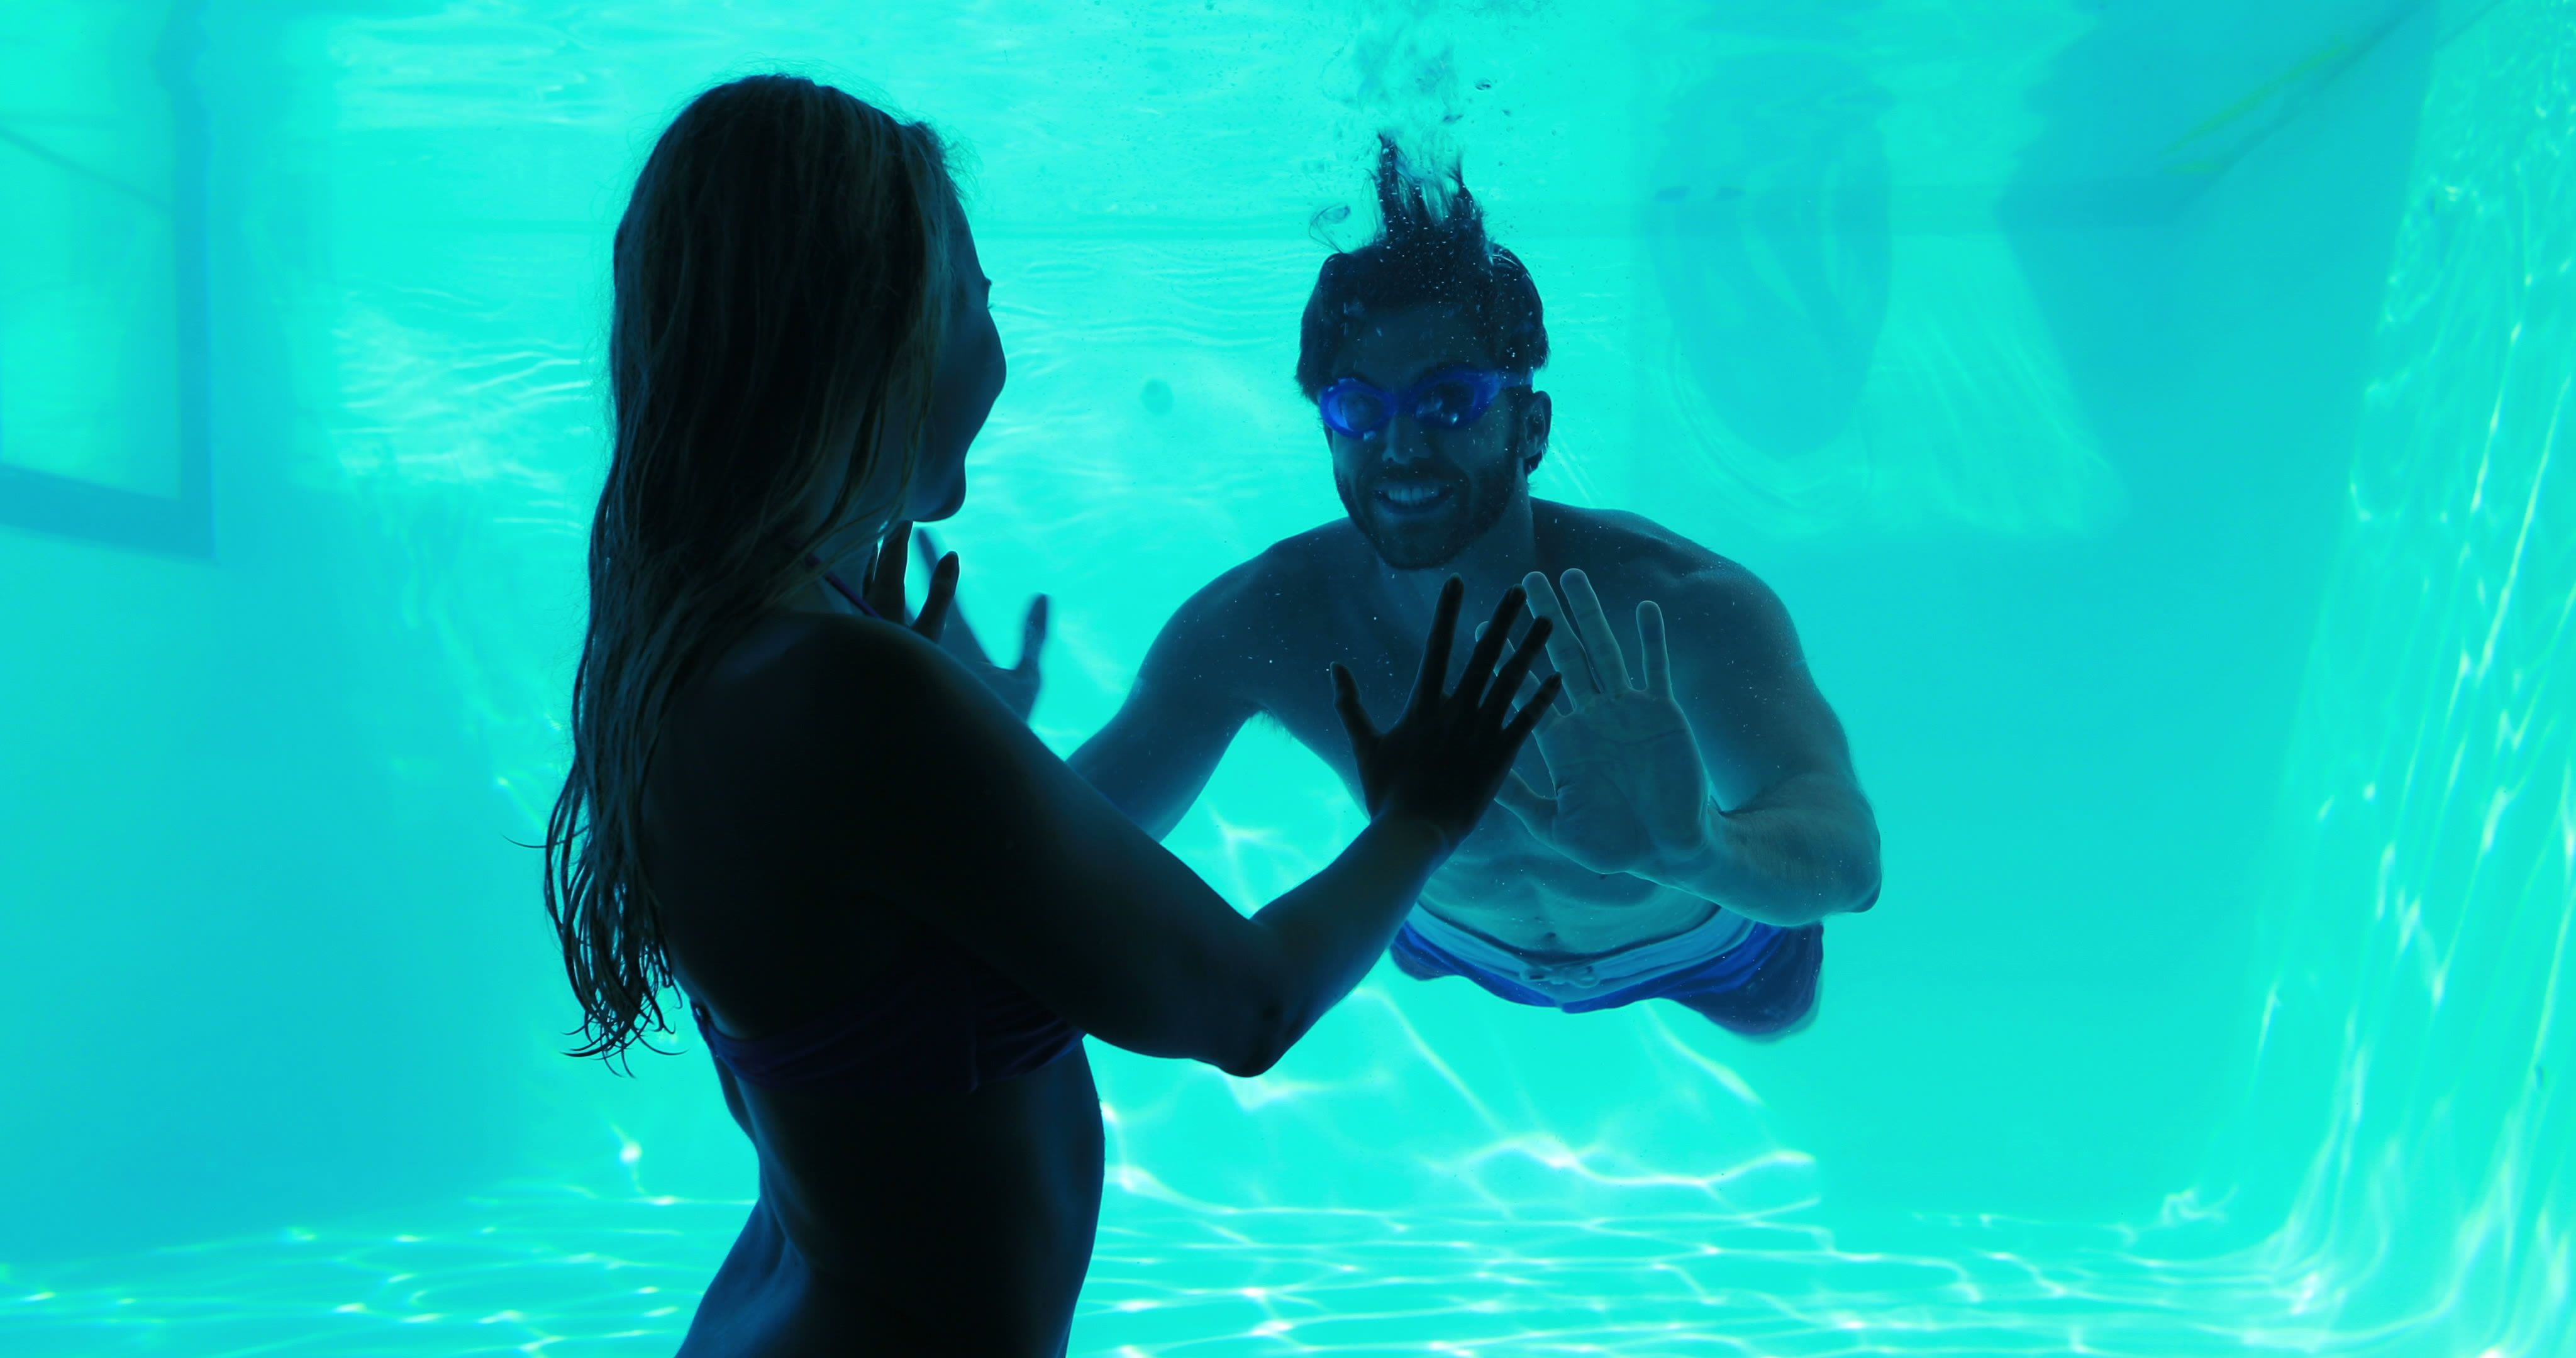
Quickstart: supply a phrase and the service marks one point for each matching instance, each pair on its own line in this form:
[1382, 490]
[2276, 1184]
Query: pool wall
[2185, 556]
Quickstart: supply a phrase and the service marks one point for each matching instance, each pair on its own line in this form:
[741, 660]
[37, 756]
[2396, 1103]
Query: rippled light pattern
[541, 1271]
[1473, 1179]
[2414, 1034]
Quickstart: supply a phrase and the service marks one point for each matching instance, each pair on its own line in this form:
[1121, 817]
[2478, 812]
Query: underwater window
[103, 350]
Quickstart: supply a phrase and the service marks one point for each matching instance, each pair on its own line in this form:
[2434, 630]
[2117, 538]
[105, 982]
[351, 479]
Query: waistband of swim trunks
[1582, 977]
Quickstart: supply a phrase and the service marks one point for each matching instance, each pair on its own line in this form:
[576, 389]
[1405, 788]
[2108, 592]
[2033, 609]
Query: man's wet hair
[1423, 256]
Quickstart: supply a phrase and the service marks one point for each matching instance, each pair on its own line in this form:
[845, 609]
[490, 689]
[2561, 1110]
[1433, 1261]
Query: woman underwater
[893, 911]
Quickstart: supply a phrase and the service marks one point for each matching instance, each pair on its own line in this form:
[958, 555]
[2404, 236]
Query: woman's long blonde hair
[781, 276]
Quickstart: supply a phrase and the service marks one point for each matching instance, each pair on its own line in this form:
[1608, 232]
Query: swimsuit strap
[846, 592]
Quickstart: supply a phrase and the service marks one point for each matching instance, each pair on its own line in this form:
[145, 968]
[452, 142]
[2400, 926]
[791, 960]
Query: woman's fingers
[1529, 695]
[1511, 681]
[884, 586]
[1355, 718]
[1433, 678]
[1609, 668]
[962, 644]
[1489, 648]
[1540, 704]
[943, 592]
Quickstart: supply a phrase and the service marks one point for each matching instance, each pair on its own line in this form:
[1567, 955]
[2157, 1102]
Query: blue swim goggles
[1448, 399]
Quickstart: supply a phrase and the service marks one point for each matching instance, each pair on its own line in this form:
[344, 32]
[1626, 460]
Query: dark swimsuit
[949, 1025]
[946, 1023]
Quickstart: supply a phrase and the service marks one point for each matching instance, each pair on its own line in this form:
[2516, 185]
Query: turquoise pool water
[2151, 416]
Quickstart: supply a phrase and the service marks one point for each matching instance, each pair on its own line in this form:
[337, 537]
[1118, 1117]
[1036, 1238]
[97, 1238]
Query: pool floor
[540, 1269]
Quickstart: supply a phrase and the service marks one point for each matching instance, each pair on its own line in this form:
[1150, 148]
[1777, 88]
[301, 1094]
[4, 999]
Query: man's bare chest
[1502, 881]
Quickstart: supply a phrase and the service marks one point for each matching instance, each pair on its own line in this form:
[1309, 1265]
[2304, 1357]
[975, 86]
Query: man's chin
[1405, 544]
[1406, 552]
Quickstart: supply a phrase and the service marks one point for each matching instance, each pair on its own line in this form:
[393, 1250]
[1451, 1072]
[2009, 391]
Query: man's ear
[1537, 415]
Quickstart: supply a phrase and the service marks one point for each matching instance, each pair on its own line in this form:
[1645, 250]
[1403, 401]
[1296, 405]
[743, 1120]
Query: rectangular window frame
[180, 524]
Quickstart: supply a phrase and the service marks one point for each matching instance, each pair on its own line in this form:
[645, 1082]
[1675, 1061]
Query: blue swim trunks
[1750, 978]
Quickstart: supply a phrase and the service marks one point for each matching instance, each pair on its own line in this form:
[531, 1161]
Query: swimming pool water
[2150, 416]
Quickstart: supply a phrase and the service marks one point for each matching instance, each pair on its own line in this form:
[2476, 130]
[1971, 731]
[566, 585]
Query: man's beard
[1474, 509]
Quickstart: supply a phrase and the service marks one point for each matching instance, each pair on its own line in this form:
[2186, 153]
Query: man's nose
[1405, 442]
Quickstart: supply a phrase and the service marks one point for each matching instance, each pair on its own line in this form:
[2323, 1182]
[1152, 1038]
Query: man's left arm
[1785, 835]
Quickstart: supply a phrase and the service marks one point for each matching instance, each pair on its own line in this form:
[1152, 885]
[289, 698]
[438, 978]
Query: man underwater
[1700, 816]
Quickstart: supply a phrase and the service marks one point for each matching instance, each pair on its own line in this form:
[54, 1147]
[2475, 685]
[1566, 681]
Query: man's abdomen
[1535, 900]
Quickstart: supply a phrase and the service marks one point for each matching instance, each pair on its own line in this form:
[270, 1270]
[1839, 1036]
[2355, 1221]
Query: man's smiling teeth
[1413, 496]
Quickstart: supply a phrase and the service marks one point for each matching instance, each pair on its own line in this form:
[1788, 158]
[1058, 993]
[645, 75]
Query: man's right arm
[1191, 696]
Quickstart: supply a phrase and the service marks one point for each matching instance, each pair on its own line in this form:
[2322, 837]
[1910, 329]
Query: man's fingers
[1609, 668]
[1513, 681]
[1652, 653]
[1033, 635]
[1536, 809]
[1564, 645]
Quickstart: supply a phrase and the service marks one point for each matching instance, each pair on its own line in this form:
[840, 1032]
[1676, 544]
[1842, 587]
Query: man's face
[1421, 495]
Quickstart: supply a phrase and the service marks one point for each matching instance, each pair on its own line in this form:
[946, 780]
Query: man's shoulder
[1250, 611]
[1715, 606]
[1321, 550]
[1287, 572]
[1643, 552]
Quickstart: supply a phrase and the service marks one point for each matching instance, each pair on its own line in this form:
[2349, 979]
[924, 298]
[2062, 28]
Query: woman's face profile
[969, 376]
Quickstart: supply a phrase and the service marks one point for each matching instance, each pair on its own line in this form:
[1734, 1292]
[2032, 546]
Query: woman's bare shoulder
[790, 701]
[754, 807]
[793, 666]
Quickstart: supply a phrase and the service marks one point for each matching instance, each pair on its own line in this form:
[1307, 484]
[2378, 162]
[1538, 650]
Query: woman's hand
[883, 586]
[1443, 760]
[1017, 686]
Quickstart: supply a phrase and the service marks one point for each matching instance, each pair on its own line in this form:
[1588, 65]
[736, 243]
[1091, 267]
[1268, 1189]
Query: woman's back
[928, 1132]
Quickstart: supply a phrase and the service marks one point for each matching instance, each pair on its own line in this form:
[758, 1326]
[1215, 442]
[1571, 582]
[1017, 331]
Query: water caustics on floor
[547, 1272]
[2153, 421]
